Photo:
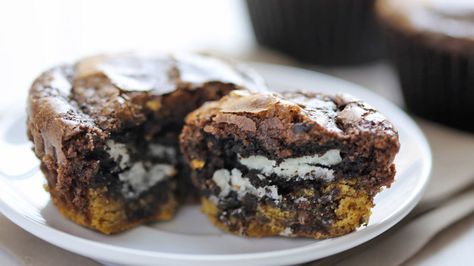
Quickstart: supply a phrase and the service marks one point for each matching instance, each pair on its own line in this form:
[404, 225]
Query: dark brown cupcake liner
[437, 81]
[328, 32]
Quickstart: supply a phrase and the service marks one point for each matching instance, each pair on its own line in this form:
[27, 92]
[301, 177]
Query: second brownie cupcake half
[325, 32]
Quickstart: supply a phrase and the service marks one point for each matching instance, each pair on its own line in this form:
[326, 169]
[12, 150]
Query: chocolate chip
[301, 127]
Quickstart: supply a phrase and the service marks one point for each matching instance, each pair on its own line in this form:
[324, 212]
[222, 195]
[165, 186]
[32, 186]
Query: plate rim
[118, 254]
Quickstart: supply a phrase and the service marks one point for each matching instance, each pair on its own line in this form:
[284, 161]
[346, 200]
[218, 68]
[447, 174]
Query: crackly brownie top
[448, 18]
[160, 74]
[294, 117]
[102, 94]
[110, 91]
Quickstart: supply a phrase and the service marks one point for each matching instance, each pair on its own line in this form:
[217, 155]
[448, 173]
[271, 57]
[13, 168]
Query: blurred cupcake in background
[325, 32]
[431, 43]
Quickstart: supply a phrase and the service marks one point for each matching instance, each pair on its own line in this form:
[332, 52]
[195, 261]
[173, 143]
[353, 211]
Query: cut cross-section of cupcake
[291, 164]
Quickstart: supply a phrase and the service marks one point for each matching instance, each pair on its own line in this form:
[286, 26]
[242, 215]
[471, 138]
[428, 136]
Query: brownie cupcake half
[106, 131]
[431, 43]
[291, 164]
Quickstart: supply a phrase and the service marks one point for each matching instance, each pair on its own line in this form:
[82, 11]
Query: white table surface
[36, 34]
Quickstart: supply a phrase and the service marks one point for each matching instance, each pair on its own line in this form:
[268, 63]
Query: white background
[37, 34]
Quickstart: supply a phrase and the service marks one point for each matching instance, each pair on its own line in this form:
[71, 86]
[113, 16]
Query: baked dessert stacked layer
[106, 131]
[109, 133]
[292, 164]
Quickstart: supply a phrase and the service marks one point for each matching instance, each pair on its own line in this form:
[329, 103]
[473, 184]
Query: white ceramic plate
[190, 238]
